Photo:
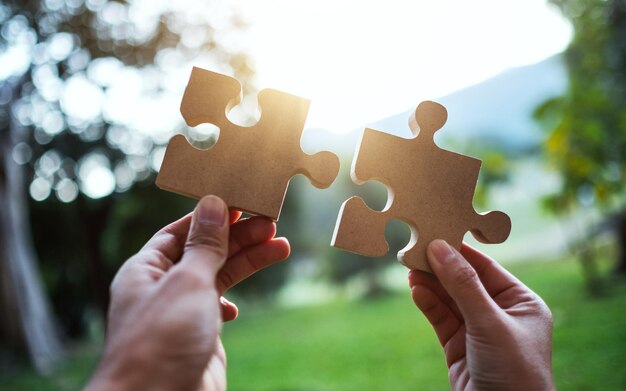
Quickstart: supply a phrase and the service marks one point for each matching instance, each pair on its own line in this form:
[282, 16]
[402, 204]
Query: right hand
[496, 333]
[166, 312]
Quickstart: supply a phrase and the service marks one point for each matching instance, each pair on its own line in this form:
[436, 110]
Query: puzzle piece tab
[248, 167]
[430, 189]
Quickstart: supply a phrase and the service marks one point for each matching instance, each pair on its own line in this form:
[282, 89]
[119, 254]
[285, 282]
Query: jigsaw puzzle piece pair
[430, 189]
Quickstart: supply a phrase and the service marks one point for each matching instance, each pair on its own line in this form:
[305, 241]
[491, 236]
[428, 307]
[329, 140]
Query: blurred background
[89, 96]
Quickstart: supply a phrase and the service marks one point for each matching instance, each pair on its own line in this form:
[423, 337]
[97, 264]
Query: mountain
[497, 111]
[499, 108]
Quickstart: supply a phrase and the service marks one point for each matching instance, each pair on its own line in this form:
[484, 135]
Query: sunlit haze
[359, 61]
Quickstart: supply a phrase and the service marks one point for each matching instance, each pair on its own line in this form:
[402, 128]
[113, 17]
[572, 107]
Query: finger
[418, 277]
[461, 282]
[250, 260]
[229, 310]
[170, 240]
[250, 231]
[439, 315]
[494, 277]
[207, 243]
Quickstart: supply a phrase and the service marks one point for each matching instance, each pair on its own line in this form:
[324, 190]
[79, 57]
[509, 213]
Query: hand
[164, 319]
[496, 333]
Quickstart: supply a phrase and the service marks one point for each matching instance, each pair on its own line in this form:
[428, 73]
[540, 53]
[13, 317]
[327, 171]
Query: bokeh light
[96, 178]
[40, 189]
[66, 190]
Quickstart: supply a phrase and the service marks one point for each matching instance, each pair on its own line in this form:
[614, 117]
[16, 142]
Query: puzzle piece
[430, 189]
[248, 167]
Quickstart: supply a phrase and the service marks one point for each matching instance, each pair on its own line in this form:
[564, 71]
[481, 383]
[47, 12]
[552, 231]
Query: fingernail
[211, 211]
[442, 251]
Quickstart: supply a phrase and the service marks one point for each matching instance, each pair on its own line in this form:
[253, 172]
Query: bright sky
[360, 60]
[357, 60]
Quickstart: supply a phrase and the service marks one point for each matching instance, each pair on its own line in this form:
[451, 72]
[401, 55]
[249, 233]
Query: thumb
[206, 248]
[461, 282]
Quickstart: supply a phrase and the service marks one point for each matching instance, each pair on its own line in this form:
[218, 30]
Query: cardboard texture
[430, 189]
[248, 167]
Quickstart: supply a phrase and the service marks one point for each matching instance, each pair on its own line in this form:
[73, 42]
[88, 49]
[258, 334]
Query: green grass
[72, 375]
[386, 344]
[373, 345]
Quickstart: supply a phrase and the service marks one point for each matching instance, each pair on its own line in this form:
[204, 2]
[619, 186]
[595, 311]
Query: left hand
[167, 307]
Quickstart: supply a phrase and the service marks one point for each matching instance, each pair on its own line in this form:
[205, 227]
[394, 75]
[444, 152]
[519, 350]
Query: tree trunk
[593, 281]
[582, 247]
[27, 324]
[94, 218]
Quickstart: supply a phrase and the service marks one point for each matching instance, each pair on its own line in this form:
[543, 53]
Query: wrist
[102, 383]
[548, 382]
[120, 374]
[540, 379]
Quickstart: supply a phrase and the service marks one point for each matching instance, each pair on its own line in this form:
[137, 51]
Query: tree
[83, 87]
[586, 139]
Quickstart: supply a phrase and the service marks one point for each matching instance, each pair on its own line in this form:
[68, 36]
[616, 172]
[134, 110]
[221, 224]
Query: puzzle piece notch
[435, 201]
[491, 227]
[249, 167]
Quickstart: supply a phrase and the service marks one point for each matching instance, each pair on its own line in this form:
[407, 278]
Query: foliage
[586, 139]
[87, 240]
[85, 57]
[386, 343]
[95, 81]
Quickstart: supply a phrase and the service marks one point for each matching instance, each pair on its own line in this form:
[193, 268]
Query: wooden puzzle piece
[248, 167]
[430, 189]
